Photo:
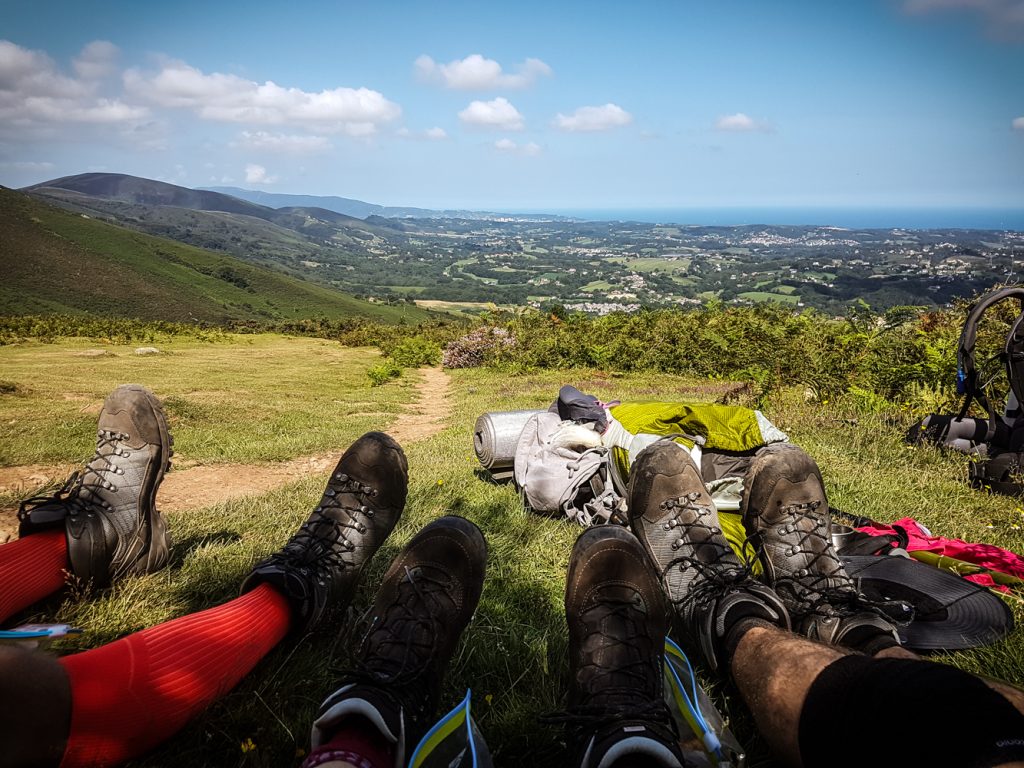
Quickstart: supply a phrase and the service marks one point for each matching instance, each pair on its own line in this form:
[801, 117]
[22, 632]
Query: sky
[528, 105]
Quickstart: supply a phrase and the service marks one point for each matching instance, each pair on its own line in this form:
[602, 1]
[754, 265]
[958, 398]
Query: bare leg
[774, 670]
[34, 732]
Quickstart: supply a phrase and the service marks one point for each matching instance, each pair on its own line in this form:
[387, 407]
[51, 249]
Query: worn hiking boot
[425, 601]
[785, 513]
[675, 519]
[108, 509]
[320, 565]
[617, 617]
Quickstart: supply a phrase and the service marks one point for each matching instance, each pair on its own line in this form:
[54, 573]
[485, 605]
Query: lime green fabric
[732, 527]
[723, 427]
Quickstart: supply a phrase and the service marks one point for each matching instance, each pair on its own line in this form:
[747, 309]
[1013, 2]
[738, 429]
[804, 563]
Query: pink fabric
[986, 555]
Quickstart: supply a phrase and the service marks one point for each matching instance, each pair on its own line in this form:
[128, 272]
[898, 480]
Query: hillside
[58, 262]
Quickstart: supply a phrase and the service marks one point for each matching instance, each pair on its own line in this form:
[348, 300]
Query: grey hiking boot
[320, 565]
[425, 601]
[108, 509]
[676, 521]
[785, 513]
[617, 616]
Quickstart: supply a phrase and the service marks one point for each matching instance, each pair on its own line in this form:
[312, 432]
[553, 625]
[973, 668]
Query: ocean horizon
[1011, 219]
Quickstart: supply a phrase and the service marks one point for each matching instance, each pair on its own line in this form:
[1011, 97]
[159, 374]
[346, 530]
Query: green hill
[54, 261]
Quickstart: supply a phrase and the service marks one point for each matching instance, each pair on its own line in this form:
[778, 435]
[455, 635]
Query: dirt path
[191, 487]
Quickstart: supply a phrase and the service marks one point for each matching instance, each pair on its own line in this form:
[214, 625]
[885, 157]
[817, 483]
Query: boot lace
[402, 645]
[81, 490]
[629, 690]
[337, 498]
[821, 586]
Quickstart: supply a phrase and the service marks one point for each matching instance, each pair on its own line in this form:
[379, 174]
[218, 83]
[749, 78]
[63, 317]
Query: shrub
[383, 372]
[472, 349]
[413, 352]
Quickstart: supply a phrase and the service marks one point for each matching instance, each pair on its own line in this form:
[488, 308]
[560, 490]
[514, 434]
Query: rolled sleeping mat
[495, 437]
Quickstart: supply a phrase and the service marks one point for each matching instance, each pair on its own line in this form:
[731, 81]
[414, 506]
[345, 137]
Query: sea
[1011, 219]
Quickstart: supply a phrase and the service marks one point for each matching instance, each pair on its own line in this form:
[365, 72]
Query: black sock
[737, 630]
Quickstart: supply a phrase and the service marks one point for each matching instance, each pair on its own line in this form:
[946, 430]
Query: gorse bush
[383, 372]
[106, 329]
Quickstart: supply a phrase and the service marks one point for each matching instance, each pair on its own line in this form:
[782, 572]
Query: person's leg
[617, 616]
[804, 695]
[122, 699]
[388, 702]
[785, 512]
[103, 523]
[713, 595]
[30, 569]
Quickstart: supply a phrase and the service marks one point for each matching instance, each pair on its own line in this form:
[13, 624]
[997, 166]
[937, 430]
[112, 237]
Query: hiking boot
[108, 509]
[617, 616]
[675, 519]
[320, 565]
[425, 601]
[785, 513]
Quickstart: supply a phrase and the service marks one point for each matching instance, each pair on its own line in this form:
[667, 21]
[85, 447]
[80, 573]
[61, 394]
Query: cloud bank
[229, 98]
[476, 73]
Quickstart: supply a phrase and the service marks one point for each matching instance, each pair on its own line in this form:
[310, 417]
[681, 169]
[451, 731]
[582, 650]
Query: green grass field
[766, 296]
[513, 655]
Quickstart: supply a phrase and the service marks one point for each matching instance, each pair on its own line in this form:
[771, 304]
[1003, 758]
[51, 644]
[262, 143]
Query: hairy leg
[35, 731]
[774, 670]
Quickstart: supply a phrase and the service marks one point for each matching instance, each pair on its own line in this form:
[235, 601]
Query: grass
[513, 654]
[253, 398]
[57, 262]
[652, 264]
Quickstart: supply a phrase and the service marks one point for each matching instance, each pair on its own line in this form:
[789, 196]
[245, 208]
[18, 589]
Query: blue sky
[528, 105]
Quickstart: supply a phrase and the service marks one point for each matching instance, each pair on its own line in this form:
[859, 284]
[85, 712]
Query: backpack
[996, 444]
[555, 477]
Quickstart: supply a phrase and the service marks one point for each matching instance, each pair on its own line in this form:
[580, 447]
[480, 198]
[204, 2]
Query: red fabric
[986, 555]
[360, 744]
[30, 569]
[130, 695]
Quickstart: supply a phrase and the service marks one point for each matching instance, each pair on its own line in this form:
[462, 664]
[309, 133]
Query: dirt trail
[191, 487]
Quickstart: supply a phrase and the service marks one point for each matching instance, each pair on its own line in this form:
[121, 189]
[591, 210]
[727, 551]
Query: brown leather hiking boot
[320, 565]
[675, 519]
[425, 601]
[617, 617]
[108, 509]
[785, 513]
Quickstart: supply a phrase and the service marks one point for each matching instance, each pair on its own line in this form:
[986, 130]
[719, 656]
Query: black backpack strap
[967, 382]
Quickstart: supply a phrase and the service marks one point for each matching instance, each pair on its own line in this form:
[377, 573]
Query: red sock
[30, 569]
[359, 743]
[130, 695]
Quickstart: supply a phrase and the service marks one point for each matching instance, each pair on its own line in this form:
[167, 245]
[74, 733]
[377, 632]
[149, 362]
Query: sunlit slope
[52, 261]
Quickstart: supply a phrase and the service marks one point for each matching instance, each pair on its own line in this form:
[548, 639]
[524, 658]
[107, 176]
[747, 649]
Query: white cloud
[589, 119]
[35, 93]
[477, 73]
[740, 123]
[497, 113]
[1018, 124]
[529, 149]
[27, 165]
[257, 174]
[1004, 18]
[431, 134]
[230, 98]
[98, 59]
[279, 142]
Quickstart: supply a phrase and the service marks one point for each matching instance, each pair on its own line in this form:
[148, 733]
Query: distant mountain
[363, 210]
[54, 261]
